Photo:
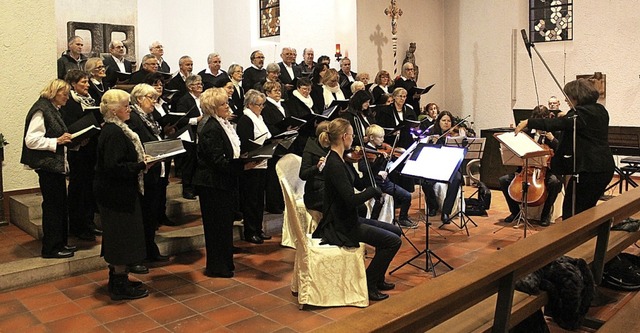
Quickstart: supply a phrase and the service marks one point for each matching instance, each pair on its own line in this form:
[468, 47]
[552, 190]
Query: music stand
[521, 150]
[475, 149]
[420, 165]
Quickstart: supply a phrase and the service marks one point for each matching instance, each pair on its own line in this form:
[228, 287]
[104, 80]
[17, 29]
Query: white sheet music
[521, 144]
[446, 161]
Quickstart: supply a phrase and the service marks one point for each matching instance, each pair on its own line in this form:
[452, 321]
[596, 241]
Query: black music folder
[87, 126]
[407, 123]
[123, 76]
[420, 91]
[290, 121]
[262, 153]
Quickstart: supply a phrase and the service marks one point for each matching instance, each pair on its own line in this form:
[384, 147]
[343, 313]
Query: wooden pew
[431, 304]
[625, 320]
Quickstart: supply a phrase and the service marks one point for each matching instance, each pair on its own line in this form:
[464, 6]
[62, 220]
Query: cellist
[553, 184]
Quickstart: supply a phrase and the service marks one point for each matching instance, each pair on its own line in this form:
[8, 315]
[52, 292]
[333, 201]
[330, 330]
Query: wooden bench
[487, 283]
[625, 320]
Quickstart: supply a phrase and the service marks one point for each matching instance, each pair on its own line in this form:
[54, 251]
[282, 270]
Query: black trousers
[589, 189]
[55, 223]
[217, 220]
[385, 238]
[82, 205]
[273, 192]
[450, 197]
[151, 215]
[252, 184]
[188, 166]
[552, 183]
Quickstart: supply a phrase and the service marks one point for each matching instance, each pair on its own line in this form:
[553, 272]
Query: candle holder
[338, 55]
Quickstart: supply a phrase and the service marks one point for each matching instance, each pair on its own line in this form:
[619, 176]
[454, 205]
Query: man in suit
[178, 81]
[307, 64]
[346, 77]
[150, 65]
[289, 70]
[157, 50]
[256, 73]
[72, 58]
[213, 72]
[235, 74]
[115, 62]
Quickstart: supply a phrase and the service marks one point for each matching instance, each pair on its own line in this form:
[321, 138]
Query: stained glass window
[269, 18]
[550, 20]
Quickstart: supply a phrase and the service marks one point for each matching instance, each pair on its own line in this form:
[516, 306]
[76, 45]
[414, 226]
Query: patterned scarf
[85, 101]
[135, 139]
[231, 134]
[148, 120]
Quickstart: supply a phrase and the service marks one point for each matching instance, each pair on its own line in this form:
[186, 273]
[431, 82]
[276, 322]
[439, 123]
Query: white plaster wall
[27, 64]
[421, 22]
[478, 58]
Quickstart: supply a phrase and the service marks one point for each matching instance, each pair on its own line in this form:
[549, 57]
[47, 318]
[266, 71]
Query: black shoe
[189, 195]
[158, 258]
[95, 232]
[406, 223]
[385, 285]
[375, 295]
[264, 236]
[225, 275]
[86, 236]
[445, 218]
[510, 218]
[255, 239]
[138, 269]
[545, 221]
[59, 255]
[121, 288]
[433, 212]
[71, 248]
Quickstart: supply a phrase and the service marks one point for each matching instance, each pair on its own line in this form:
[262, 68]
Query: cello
[534, 176]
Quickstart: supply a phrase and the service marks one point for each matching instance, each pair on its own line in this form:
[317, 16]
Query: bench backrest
[433, 302]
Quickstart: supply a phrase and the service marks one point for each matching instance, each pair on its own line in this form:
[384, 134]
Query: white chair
[323, 275]
[289, 166]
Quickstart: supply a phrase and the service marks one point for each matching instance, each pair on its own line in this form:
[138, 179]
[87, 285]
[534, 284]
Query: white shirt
[259, 130]
[277, 104]
[120, 64]
[289, 69]
[35, 139]
[194, 120]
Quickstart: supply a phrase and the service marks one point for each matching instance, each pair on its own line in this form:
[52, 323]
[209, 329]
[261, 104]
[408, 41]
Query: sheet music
[520, 144]
[448, 159]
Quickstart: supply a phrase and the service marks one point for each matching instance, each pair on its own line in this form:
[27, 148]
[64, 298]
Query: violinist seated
[552, 183]
[441, 130]
[378, 154]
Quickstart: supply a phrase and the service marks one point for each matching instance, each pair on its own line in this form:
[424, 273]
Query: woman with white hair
[141, 121]
[118, 187]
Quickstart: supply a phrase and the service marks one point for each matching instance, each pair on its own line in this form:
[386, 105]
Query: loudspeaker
[491, 167]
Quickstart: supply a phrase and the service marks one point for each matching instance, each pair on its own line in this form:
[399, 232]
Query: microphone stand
[575, 177]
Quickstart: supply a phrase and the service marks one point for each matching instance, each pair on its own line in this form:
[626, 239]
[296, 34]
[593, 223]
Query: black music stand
[475, 148]
[523, 151]
[420, 165]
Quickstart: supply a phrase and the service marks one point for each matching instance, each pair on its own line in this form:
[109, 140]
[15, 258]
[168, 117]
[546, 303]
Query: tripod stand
[449, 159]
[474, 150]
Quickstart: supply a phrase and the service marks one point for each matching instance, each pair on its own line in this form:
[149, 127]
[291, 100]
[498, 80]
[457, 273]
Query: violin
[534, 176]
[390, 150]
[355, 154]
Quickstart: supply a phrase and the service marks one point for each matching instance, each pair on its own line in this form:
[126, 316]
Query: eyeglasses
[119, 47]
[258, 57]
[153, 99]
[409, 69]
[261, 105]
[100, 68]
[196, 84]
[152, 63]
[348, 134]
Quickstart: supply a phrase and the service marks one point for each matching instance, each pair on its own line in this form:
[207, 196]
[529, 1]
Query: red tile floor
[257, 299]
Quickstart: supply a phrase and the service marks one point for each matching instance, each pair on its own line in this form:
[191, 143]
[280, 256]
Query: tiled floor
[257, 299]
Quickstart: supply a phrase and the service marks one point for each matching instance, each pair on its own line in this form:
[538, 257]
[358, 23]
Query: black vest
[54, 127]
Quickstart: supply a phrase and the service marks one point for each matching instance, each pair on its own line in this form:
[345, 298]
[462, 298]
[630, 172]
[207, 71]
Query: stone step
[26, 209]
[27, 272]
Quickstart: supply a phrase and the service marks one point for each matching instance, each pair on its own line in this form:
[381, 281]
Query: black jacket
[340, 202]
[216, 167]
[386, 117]
[592, 146]
[309, 172]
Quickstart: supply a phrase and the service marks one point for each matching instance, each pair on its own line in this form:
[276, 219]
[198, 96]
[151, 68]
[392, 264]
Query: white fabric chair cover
[441, 194]
[533, 213]
[294, 206]
[387, 212]
[323, 275]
